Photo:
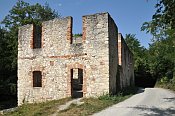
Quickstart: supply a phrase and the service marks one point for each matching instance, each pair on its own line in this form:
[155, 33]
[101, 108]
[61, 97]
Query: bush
[166, 83]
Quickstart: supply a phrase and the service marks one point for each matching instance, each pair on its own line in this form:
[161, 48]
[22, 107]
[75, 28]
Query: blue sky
[129, 15]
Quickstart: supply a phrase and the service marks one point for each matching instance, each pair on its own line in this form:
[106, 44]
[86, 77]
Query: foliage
[162, 58]
[36, 109]
[159, 60]
[162, 50]
[163, 21]
[124, 92]
[143, 77]
[166, 83]
[92, 105]
[89, 106]
[77, 35]
[21, 14]
[7, 80]
[139, 52]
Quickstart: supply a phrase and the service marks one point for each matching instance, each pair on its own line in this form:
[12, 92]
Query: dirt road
[151, 102]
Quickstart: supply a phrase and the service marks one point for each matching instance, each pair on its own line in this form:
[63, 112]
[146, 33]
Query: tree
[138, 51]
[162, 50]
[143, 77]
[21, 14]
[163, 21]
[162, 58]
[3, 52]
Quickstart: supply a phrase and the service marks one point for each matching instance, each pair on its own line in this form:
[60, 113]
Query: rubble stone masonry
[126, 63]
[96, 55]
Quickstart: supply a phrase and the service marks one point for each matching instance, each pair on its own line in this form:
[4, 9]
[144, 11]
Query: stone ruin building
[52, 64]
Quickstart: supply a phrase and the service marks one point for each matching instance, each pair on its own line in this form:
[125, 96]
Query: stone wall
[95, 36]
[126, 63]
[113, 55]
[49, 59]
[59, 54]
[95, 54]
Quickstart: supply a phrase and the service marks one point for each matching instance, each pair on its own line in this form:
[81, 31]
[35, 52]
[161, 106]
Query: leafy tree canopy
[163, 21]
[21, 14]
[140, 53]
[162, 50]
[24, 13]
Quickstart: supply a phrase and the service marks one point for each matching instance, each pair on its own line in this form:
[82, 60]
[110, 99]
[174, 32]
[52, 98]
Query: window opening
[37, 79]
[37, 30]
[77, 82]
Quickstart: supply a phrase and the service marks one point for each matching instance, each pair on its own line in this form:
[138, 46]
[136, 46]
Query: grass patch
[90, 105]
[38, 109]
[93, 105]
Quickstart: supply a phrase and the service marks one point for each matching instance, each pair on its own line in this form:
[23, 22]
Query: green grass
[38, 109]
[90, 105]
[93, 105]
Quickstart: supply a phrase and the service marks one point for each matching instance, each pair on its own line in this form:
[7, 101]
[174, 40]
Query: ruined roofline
[102, 13]
[68, 17]
[51, 20]
[58, 19]
[69, 20]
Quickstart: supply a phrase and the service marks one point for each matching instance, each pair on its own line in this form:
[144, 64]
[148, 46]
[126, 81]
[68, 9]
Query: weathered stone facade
[126, 63]
[94, 59]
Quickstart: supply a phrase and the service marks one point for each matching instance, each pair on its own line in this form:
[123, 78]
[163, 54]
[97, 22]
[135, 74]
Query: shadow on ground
[7, 101]
[155, 111]
[140, 90]
[170, 99]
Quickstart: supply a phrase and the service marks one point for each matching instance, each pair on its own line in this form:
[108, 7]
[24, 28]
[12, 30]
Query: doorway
[76, 83]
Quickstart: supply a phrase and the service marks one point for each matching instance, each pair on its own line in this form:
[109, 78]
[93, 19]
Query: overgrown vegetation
[158, 61]
[166, 83]
[162, 51]
[90, 105]
[43, 109]
[21, 14]
[93, 105]
[142, 70]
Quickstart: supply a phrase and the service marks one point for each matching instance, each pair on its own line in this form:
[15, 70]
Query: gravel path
[151, 102]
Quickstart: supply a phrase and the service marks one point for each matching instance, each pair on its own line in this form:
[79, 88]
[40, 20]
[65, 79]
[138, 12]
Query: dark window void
[37, 79]
[37, 36]
[77, 83]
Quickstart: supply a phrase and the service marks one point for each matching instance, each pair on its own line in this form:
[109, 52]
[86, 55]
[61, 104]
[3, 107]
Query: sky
[129, 15]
